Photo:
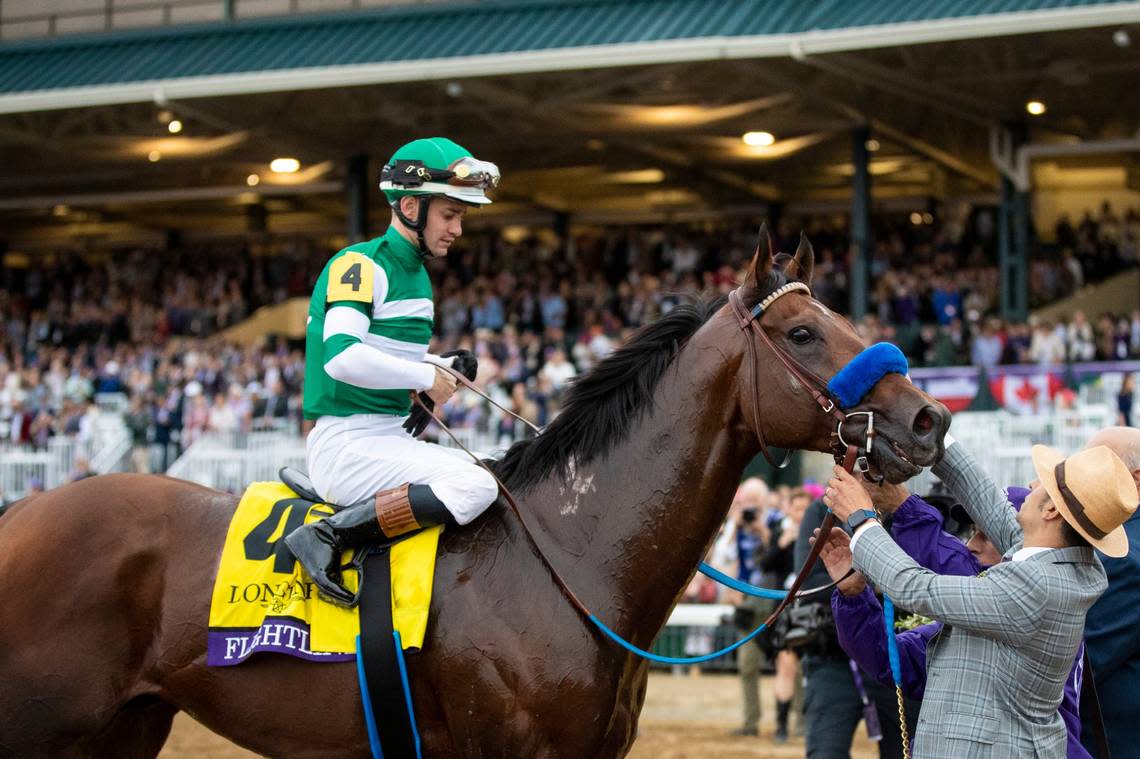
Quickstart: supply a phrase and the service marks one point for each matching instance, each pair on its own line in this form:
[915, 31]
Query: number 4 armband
[351, 278]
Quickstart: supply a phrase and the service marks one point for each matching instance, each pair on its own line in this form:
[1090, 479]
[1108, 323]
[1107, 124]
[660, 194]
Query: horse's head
[817, 343]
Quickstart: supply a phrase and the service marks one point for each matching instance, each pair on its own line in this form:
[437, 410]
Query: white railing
[1000, 441]
[106, 449]
[230, 462]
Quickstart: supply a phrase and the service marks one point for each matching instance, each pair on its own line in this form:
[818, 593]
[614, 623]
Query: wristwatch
[859, 517]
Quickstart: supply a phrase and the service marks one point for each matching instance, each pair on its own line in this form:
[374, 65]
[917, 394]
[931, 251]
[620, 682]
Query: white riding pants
[351, 458]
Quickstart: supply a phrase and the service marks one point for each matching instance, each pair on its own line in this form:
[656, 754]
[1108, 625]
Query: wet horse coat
[105, 584]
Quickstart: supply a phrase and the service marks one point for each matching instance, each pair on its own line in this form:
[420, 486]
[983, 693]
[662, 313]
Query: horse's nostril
[923, 423]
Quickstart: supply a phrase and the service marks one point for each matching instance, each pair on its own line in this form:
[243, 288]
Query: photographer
[836, 694]
[777, 567]
[750, 536]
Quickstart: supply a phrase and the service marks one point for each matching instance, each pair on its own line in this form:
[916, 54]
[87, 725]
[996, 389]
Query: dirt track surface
[684, 718]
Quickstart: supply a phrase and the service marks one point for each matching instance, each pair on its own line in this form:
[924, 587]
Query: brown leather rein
[749, 320]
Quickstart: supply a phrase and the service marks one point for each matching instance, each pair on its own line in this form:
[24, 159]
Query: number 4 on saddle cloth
[265, 602]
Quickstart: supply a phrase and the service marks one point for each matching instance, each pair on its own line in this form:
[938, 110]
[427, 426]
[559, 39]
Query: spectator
[987, 347]
[137, 420]
[749, 535]
[1081, 343]
[1124, 400]
[1111, 623]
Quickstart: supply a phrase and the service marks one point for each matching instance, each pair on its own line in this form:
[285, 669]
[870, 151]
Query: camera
[806, 629]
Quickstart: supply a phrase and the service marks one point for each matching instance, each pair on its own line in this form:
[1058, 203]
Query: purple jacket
[917, 528]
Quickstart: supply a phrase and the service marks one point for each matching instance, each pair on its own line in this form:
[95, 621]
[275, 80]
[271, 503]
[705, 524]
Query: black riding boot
[391, 513]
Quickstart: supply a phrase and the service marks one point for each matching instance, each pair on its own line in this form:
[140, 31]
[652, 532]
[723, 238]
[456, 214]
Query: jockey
[370, 321]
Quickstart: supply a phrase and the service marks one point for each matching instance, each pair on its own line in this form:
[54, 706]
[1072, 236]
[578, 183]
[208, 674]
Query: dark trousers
[833, 710]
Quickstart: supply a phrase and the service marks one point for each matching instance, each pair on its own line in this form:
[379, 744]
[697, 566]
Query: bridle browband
[851, 456]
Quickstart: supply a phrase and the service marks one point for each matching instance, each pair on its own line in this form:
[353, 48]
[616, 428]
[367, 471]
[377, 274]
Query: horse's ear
[802, 265]
[762, 261]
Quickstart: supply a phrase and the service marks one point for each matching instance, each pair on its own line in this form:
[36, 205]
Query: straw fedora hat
[1094, 492]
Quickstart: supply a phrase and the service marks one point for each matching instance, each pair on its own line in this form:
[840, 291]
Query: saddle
[300, 484]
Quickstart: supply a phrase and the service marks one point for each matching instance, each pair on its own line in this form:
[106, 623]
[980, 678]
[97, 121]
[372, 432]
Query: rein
[844, 452]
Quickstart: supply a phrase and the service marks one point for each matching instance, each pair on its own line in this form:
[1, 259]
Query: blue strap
[673, 659]
[407, 692]
[892, 644]
[738, 585]
[369, 720]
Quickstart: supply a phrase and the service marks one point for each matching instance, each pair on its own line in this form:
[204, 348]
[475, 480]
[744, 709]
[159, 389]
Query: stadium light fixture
[758, 139]
[154, 156]
[284, 165]
[1035, 107]
[175, 126]
[252, 180]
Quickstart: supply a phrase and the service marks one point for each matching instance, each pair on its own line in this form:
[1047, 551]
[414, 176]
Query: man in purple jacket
[917, 529]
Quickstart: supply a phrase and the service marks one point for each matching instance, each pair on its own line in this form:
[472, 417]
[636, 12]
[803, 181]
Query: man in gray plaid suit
[997, 669]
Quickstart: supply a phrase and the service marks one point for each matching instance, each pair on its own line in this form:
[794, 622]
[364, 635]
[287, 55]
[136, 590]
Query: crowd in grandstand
[536, 312]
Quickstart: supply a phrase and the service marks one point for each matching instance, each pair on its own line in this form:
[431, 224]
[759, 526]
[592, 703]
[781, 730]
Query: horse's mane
[601, 405]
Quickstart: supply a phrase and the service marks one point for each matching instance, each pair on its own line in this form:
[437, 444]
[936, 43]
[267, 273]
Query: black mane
[601, 406]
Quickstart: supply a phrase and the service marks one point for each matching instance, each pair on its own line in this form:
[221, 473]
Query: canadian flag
[1027, 394]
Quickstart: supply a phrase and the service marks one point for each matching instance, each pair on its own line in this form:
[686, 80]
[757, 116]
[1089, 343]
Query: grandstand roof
[488, 38]
[601, 110]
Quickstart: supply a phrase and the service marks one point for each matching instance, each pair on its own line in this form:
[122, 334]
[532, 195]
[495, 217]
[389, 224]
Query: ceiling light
[928, 218]
[758, 139]
[916, 218]
[284, 165]
[252, 180]
[174, 126]
[165, 116]
[1035, 107]
[872, 145]
[1121, 38]
[154, 156]
[639, 176]
[60, 210]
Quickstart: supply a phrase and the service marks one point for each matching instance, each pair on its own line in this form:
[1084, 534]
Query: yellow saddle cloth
[264, 601]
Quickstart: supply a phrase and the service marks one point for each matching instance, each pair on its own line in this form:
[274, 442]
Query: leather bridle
[850, 455]
[853, 457]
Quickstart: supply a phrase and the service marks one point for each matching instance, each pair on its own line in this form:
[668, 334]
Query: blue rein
[847, 387]
[721, 577]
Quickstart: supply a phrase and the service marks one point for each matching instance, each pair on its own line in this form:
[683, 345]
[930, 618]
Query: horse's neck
[627, 530]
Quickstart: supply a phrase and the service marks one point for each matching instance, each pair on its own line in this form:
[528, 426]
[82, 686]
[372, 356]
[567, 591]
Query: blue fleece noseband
[860, 375]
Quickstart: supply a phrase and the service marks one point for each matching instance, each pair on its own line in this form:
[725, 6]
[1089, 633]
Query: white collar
[1024, 553]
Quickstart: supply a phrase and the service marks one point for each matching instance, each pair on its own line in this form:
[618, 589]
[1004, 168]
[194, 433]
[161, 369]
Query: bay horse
[105, 584]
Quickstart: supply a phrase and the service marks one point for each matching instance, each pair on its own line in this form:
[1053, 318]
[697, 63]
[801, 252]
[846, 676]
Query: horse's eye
[801, 336]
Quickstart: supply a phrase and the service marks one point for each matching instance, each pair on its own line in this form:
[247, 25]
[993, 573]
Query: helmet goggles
[465, 172]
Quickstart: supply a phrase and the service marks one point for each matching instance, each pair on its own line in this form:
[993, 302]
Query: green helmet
[438, 166]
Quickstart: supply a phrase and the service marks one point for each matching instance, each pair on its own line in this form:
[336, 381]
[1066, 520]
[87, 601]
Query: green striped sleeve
[336, 344]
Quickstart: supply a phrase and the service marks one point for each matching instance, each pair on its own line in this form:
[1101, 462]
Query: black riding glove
[463, 362]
